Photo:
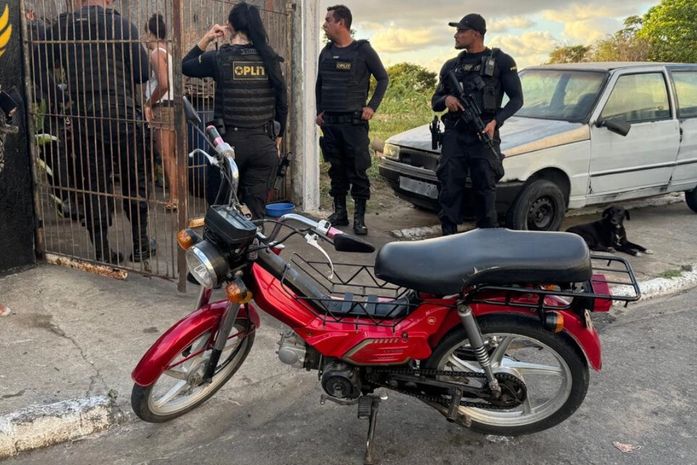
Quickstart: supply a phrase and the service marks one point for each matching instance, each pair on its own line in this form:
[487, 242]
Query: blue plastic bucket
[277, 209]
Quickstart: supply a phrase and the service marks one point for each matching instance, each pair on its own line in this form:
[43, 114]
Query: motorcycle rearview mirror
[348, 243]
[618, 126]
[191, 113]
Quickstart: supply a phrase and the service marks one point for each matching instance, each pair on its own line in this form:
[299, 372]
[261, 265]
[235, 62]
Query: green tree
[408, 78]
[572, 54]
[623, 45]
[670, 28]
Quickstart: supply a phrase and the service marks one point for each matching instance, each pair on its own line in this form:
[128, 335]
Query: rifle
[472, 114]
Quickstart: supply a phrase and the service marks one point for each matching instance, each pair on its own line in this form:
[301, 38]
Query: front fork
[226, 324]
[474, 335]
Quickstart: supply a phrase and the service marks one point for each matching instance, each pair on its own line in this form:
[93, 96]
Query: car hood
[518, 135]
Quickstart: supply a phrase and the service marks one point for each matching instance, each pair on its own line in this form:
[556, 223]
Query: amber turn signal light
[237, 292]
[186, 238]
[553, 321]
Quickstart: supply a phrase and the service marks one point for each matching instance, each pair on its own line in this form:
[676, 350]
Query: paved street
[646, 396]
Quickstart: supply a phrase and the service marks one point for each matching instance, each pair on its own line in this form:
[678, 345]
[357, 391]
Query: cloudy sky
[416, 30]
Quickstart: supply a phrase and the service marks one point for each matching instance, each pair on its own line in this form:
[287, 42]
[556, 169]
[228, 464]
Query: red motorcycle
[491, 328]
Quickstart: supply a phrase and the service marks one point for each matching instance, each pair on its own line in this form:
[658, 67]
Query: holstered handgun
[436, 133]
[283, 165]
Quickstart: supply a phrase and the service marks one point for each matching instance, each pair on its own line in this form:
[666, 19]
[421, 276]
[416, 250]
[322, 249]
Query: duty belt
[343, 118]
[266, 129]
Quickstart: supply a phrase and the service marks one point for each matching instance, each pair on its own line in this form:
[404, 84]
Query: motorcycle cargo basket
[352, 294]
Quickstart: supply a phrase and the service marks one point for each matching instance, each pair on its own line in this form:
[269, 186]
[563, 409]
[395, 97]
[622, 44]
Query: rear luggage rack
[612, 280]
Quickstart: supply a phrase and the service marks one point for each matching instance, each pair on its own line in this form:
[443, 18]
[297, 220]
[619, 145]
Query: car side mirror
[191, 114]
[617, 126]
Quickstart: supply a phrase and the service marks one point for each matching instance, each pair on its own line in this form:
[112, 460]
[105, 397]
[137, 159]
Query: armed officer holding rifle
[473, 82]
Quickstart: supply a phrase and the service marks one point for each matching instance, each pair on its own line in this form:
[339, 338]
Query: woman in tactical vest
[250, 94]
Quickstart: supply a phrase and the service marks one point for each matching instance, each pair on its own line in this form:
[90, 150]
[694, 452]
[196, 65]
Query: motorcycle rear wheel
[179, 388]
[552, 366]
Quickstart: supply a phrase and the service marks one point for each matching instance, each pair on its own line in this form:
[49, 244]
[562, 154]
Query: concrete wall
[306, 47]
[16, 198]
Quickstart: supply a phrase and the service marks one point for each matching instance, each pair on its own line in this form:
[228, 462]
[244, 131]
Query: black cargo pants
[109, 146]
[345, 148]
[463, 152]
[257, 160]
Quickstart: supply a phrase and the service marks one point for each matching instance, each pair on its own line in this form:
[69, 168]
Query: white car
[589, 133]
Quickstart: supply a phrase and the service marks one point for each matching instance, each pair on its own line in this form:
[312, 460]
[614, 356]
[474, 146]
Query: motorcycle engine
[341, 381]
[291, 349]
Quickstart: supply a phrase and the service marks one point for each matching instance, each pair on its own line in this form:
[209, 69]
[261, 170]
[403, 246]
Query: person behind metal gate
[250, 94]
[159, 104]
[103, 60]
[343, 81]
[486, 74]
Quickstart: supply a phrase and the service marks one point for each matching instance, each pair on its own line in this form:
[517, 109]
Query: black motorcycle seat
[445, 265]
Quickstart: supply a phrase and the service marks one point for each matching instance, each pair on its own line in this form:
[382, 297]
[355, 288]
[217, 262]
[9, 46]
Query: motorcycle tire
[509, 340]
[148, 402]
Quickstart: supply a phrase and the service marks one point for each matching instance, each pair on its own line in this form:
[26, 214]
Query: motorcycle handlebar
[223, 148]
[214, 135]
[342, 242]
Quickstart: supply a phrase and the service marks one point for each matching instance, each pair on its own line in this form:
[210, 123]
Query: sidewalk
[72, 338]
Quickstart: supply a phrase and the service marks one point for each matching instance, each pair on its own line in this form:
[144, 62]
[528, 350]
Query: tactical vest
[489, 95]
[345, 80]
[96, 71]
[244, 96]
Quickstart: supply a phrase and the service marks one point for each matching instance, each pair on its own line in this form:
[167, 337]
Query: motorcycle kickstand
[368, 408]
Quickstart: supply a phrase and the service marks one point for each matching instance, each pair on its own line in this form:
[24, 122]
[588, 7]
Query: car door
[685, 85]
[641, 162]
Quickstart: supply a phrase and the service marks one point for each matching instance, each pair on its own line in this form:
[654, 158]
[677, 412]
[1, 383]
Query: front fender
[179, 336]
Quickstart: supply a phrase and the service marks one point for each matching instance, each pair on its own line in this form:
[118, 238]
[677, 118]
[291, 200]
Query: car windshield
[566, 95]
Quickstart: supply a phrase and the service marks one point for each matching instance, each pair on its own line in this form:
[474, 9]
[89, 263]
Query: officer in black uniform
[103, 59]
[486, 74]
[345, 66]
[250, 94]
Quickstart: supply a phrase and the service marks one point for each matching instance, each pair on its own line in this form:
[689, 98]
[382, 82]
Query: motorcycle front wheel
[180, 387]
[551, 366]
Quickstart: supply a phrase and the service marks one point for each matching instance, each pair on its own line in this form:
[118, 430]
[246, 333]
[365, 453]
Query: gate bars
[82, 180]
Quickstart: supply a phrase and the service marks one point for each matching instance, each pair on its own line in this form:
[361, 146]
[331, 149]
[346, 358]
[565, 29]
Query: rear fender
[585, 337]
[176, 339]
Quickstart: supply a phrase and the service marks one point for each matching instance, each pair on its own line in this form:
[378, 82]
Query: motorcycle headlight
[206, 264]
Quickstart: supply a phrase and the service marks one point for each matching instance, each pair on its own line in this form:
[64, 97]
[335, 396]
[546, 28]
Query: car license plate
[418, 187]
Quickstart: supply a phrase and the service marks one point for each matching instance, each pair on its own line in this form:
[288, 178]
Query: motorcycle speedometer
[206, 264]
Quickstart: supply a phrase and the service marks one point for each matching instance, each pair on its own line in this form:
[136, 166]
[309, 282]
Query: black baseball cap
[471, 21]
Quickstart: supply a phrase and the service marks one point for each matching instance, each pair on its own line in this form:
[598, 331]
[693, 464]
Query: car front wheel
[691, 199]
[539, 207]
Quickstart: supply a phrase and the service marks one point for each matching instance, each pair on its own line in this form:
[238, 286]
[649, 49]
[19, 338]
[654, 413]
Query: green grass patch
[670, 274]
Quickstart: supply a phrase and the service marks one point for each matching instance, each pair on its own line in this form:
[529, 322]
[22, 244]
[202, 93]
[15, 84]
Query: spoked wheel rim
[180, 385]
[541, 214]
[544, 371]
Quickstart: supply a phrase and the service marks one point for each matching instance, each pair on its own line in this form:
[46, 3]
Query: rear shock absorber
[474, 335]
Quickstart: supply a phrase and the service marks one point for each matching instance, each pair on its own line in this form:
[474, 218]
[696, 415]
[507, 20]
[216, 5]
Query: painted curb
[660, 287]
[45, 425]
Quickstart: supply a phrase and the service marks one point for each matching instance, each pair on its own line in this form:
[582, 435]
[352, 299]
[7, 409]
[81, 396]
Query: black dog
[608, 234]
